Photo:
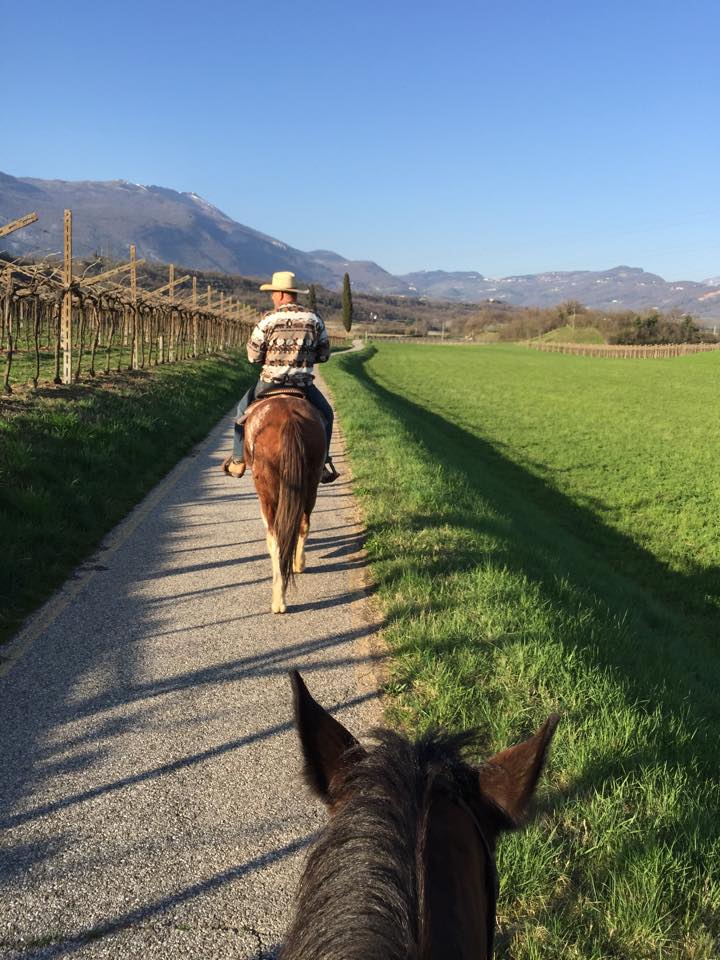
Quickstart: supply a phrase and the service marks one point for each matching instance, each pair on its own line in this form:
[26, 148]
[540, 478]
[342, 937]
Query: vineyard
[97, 404]
[59, 326]
[622, 351]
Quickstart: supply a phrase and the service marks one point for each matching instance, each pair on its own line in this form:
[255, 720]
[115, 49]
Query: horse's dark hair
[294, 485]
[361, 893]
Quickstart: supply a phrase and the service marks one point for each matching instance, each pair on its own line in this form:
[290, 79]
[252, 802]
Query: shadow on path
[148, 911]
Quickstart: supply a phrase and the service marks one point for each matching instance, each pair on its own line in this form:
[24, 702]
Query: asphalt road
[150, 797]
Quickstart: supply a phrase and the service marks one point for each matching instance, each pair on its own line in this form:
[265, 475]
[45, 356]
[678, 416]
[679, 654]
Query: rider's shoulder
[265, 321]
[285, 309]
[294, 311]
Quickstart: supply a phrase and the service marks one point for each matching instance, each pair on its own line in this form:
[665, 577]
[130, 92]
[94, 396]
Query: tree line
[503, 322]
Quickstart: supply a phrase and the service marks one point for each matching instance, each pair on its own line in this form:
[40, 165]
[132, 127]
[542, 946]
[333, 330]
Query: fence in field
[69, 327]
[411, 338]
[623, 351]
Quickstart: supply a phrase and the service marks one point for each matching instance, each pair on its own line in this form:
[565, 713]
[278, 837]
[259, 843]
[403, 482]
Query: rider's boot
[329, 474]
[234, 468]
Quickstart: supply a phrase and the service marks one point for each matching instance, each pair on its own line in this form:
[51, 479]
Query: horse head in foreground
[285, 446]
[405, 868]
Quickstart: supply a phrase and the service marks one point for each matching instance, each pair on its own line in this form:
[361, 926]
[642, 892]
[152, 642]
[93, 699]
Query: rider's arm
[322, 354]
[257, 344]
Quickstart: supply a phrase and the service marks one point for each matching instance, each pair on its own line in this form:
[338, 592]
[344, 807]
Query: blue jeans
[312, 394]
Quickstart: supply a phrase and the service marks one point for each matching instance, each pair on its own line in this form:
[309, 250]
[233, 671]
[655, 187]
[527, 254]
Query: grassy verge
[74, 460]
[24, 366]
[544, 533]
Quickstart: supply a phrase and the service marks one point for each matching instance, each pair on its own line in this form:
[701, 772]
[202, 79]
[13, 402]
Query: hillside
[164, 224]
[622, 287]
[184, 228]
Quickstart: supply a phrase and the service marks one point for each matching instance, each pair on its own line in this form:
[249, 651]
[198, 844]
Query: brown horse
[285, 447]
[405, 868]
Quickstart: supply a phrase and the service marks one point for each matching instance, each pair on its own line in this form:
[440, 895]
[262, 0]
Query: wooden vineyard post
[221, 325]
[4, 314]
[66, 315]
[171, 298]
[241, 320]
[209, 320]
[18, 224]
[107, 274]
[7, 329]
[195, 319]
[133, 307]
[7, 326]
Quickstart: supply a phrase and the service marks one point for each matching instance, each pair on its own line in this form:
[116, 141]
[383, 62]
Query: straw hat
[282, 282]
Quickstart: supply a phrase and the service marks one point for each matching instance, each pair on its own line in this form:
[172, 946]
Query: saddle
[278, 391]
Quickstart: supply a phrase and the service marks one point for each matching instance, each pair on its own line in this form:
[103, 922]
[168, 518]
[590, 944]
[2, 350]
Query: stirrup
[329, 474]
[233, 468]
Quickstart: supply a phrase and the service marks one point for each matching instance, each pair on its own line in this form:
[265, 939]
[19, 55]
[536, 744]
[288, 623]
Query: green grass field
[74, 460]
[544, 534]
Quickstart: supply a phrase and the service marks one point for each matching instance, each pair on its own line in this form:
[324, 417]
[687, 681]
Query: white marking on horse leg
[278, 591]
[299, 558]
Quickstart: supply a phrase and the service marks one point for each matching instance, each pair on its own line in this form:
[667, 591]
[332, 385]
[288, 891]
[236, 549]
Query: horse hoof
[299, 568]
[281, 609]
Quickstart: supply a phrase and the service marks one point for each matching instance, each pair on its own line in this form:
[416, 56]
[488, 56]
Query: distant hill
[164, 225]
[184, 228]
[616, 289]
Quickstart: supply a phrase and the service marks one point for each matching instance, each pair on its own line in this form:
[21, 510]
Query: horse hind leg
[278, 587]
[299, 560]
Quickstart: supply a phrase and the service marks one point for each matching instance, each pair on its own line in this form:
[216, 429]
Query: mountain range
[185, 229]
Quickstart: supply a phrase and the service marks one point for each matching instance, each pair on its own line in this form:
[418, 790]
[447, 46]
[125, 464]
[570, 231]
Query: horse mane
[361, 893]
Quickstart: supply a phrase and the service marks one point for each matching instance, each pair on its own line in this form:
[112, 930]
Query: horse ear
[510, 777]
[326, 744]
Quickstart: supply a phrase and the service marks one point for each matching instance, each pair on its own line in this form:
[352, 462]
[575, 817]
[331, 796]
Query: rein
[491, 878]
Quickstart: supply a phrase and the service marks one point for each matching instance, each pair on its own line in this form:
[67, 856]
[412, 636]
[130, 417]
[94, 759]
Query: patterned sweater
[288, 342]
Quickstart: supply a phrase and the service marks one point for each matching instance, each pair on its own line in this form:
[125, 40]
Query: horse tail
[292, 494]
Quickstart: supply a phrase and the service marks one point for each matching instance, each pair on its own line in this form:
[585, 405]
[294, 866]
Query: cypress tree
[347, 306]
[312, 298]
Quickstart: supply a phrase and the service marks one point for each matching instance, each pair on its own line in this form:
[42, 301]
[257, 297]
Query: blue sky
[511, 137]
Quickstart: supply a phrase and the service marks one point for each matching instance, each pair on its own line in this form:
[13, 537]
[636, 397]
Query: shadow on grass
[650, 627]
[545, 536]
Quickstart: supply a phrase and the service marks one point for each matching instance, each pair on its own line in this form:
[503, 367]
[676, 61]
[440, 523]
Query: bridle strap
[491, 877]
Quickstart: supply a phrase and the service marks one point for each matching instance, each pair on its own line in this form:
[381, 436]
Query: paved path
[150, 799]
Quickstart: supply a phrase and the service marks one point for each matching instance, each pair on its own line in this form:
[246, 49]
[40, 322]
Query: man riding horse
[288, 341]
